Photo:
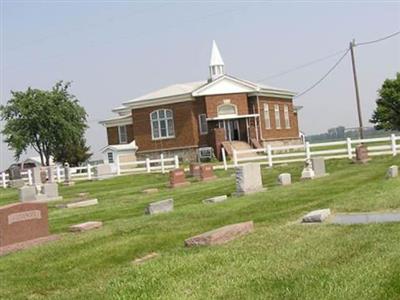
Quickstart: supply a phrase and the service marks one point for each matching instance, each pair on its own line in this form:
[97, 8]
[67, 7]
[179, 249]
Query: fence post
[349, 149]
[118, 166]
[269, 153]
[148, 165]
[308, 150]
[394, 146]
[3, 179]
[58, 174]
[224, 158]
[176, 161]
[89, 171]
[235, 162]
[30, 177]
[162, 163]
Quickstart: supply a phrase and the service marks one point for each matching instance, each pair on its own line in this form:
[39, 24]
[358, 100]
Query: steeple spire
[217, 67]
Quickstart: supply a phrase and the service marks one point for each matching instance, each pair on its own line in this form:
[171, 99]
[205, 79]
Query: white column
[308, 150]
[30, 177]
[394, 146]
[349, 149]
[3, 179]
[148, 169]
[235, 162]
[269, 153]
[224, 158]
[176, 161]
[162, 163]
[89, 171]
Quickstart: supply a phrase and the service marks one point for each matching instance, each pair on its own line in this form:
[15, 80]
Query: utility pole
[352, 44]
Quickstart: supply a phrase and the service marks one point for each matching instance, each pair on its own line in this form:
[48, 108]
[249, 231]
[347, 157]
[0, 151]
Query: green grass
[280, 260]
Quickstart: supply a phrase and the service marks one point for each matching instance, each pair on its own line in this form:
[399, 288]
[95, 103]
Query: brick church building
[223, 111]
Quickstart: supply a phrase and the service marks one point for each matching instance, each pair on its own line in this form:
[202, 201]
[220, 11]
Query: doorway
[232, 131]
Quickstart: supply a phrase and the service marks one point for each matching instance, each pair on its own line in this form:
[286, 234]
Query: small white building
[119, 154]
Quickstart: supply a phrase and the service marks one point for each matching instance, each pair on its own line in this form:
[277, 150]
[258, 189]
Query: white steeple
[217, 67]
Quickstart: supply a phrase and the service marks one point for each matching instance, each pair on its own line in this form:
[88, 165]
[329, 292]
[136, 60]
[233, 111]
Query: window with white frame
[162, 124]
[122, 134]
[287, 120]
[110, 157]
[277, 117]
[227, 109]
[203, 124]
[267, 118]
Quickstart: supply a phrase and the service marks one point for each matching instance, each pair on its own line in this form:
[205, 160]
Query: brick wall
[212, 103]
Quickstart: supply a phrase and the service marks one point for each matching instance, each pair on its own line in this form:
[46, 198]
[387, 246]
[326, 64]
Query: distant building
[224, 111]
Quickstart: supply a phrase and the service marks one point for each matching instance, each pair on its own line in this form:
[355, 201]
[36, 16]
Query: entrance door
[232, 132]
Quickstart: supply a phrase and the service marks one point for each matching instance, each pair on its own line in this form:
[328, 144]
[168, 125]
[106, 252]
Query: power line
[302, 65]
[378, 40]
[323, 77]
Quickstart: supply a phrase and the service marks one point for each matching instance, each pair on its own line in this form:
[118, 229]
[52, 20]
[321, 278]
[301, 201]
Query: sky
[114, 51]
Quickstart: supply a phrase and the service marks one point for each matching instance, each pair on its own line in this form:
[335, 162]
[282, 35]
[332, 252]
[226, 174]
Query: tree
[387, 114]
[74, 154]
[43, 120]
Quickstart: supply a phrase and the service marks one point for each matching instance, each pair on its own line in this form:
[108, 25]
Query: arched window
[162, 124]
[227, 109]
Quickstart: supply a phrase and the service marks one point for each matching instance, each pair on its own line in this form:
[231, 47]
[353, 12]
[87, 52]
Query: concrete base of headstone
[80, 203]
[160, 207]
[17, 183]
[307, 174]
[285, 179]
[392, 172]
[150, 191]
[69, 183]
[317, 216]
[221, 235]
[216, 199]
[85, 226]
[249, 192]
[27, 244]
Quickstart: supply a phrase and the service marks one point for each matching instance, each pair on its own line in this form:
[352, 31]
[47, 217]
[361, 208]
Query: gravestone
[308, 172]
[50, 175]
[318, 166]
[51, 191]
[216, 199]
[27, 193]
[221, 235]
[177, 178]
[22, 222]
[392, 172]
[285, 179]
[67, 175]
[206, 172]
[103, 171]
[317, 216]
[36, 176]
[248, 179]
[361, 154]
[194, 169]
[81, 203]
[85, 226]
[160, 207]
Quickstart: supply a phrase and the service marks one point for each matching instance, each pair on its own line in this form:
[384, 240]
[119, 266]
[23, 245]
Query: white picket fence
[86, 173]
[297, 153]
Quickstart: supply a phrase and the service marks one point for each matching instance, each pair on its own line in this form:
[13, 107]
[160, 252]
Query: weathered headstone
[206, 172]
[50, 175]
[145, 258]
[81, 203]
[216, 199]
[27, 193]
[248, 179]
[221, 235]
[317, 216]
[308, 172]
[392, 172]
[85, 226]
[103, 171]
[177, 178]
[67, 175]
[160, 207]
[51, 191]
[318, 165]
[285, 179]
[194, 169]
[361, 153]
[36, 176]
[22, 223]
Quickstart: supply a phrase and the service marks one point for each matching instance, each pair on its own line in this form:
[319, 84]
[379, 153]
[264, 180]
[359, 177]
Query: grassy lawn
[280, 260]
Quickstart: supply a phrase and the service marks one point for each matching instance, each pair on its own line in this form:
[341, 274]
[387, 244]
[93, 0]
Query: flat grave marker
[158, 207]
[85, 226]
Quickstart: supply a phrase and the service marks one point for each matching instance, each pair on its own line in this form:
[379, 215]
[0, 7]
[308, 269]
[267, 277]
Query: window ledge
[163, 138]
